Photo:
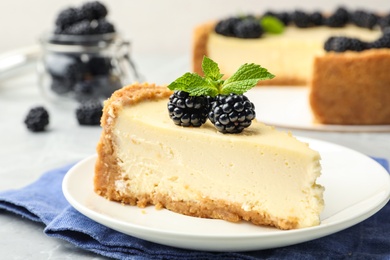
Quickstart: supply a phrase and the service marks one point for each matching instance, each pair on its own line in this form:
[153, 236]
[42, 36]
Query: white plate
[289, 107]
[356, 188]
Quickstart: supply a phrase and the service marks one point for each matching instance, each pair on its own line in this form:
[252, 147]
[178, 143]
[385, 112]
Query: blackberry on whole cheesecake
[317, 18]
[382, 42]
[226, 26]
[384, 22]
[364, 19]
[284, 17]
[338, 19]
[197, 98]
[301, 19]
[342, 44]
[248, 28]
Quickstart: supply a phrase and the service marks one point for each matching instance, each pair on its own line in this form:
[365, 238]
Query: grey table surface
[24, 156]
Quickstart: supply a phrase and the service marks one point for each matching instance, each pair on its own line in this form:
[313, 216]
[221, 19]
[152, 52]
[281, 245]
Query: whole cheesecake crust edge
[199, 45]
[343, 90]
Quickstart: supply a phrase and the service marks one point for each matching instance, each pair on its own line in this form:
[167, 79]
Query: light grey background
[152, 25]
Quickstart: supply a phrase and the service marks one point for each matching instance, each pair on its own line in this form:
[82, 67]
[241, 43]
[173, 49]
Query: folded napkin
[43, 201]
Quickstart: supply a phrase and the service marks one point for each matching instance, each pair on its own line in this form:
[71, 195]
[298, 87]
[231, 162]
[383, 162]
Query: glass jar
[84, 67]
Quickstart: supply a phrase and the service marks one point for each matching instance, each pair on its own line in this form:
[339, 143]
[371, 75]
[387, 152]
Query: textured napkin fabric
[43, 201]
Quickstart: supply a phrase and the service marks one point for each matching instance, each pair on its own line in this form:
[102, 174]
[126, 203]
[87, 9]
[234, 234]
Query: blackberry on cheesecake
[197, 98]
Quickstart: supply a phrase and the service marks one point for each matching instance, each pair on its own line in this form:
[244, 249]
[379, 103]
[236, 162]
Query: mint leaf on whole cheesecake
[223, 102]
[272, 24]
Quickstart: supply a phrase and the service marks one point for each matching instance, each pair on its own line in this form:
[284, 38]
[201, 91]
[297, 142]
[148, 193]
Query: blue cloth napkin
[43, 201]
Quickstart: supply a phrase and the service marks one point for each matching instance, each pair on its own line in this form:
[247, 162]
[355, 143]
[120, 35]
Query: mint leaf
[210, 69]
[212, 83]
[245, 78]
[194, 84]
[271, 24]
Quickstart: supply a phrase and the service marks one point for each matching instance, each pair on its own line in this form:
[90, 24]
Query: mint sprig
[272, 24]
[212, 84]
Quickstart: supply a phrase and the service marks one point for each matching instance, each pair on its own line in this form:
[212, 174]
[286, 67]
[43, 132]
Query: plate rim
[311, 125]
[311, 232]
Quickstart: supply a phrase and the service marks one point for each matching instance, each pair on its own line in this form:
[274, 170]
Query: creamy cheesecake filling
[158, 157]
[289, 54]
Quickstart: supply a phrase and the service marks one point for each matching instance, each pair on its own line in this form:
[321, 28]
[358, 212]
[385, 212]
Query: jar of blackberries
[84, 67]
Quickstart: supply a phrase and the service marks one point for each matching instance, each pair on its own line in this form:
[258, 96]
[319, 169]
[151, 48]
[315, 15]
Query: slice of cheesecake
[261, 175]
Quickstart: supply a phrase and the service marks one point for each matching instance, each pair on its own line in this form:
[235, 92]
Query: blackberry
[67, 17]
[61, 85]
[83, 27]
[317, 18]
[382, 42]
[65, 72]
[104, 26]
[59, 30]
[186, 110]
[248, 28]
[357, 44]
[284, 17]
[226, 26]
[37, 119]
[94, 10]
[231, 113]
[104, 86]
[301, 19]
[384, 22]
[342, 44]
[75, 71]
[57, 63]
[83, 91]
[364, 19]
[99, 65]
[338, 19]
[89, 113]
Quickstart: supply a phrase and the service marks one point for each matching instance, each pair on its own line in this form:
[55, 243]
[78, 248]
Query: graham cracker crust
[351, 88]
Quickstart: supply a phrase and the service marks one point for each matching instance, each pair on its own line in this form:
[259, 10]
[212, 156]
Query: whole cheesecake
[261, 175]
[344, 61]
[288, 55]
